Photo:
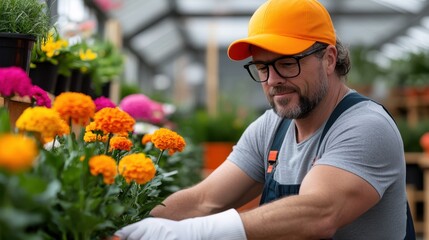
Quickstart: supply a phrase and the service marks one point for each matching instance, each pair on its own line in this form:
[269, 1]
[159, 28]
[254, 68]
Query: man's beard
[306, 104]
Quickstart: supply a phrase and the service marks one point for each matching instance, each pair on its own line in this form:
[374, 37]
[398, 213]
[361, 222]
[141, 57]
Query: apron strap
[277, 143]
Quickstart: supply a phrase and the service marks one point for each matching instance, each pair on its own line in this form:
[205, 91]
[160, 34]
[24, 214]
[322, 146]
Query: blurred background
[176, 49]
[174, 52]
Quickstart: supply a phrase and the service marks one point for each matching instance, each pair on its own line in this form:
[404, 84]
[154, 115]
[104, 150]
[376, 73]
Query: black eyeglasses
[285, 66]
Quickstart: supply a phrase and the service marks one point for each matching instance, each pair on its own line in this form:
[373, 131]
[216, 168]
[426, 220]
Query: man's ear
[330, 59]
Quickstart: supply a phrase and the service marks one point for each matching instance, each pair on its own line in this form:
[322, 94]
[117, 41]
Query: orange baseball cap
[285, 27]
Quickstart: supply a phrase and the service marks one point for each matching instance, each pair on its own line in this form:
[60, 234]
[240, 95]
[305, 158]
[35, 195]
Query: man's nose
[273, 77]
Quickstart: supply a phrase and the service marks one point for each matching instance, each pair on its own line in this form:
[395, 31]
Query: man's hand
[225, 225]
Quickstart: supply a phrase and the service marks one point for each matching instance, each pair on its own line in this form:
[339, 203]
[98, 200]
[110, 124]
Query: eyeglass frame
[272, 63]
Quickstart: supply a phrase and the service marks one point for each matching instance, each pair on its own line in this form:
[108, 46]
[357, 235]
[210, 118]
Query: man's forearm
[295, 217]
[181, 205]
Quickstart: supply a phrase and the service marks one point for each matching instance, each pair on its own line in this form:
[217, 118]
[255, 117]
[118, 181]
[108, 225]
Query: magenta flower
[158, 113]
[40, 96]
[142, 108]
[103, 102]
[14, 81]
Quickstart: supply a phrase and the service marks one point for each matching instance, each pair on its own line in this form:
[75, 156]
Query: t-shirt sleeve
[248, 153]
[368, 145]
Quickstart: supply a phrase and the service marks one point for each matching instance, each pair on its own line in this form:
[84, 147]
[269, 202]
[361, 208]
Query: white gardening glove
[225, 225]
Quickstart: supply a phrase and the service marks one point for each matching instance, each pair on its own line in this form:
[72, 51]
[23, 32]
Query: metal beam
[413, 20]
[102, 17]
[179, 24]
[337, 12]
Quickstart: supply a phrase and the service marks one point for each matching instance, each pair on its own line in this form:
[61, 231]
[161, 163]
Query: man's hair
[343, 65]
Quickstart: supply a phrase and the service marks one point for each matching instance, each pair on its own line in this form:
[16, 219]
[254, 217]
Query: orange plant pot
[16, 107]
[424, 142]
[215, 153]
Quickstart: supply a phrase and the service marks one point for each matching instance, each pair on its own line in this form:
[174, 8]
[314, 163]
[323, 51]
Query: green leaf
[4, 121]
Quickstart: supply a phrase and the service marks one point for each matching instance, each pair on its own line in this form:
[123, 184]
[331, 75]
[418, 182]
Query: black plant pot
[86, 87]
[76, 80]
[105, 89]
[63, 84]
[45, 76]
[15, 50]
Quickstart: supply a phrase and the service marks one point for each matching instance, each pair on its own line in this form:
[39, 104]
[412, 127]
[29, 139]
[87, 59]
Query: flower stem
[53, 143]
[124, 193]
[159, 157]
[108, 143]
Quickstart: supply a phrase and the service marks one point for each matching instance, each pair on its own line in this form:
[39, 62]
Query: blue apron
[274, 190]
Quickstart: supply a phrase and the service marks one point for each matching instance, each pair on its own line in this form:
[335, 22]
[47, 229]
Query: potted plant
[217, 133]
[82, 61]
[47, 59]
[108, 67]
[22, 22]
[364, 72]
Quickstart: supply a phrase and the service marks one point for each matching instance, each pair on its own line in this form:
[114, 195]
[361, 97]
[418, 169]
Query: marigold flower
[14, 80]
[113, 120]
[45, 121]
[164, 138]
[64, 128]
[146, 138]
[92, 134]
[13, 157]
[105, 165]
[94, 137]
[137, 167]
[75, 106]
[103, 102]
[40, 96]
[120, 143]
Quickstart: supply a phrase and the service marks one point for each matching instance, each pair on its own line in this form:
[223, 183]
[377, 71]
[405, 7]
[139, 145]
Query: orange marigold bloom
[120, 143]
[17, 152]
[92, 134]
[137, 167]
[64, 128]
[164, 138]
[92, 137]
[146, 138]
[74, 106]
[113, 120]
[45, 121]
[105, 165]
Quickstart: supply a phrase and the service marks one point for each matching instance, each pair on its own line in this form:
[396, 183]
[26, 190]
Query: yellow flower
[164, 138]
[137, 167]
[92, 134]
[17, 152]
[87, 55]
[74, 106]
[120, 143]
[52, 47]
[113, 120]
[43, 120]
[104, 165]
[146, 138]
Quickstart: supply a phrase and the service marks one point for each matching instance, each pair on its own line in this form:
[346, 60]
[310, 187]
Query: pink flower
[158, 113]
[14, 81]
[137, 106]
[142, 108]
[103, 102]
[40, 96]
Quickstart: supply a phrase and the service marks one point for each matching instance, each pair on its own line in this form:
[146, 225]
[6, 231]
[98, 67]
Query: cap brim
[240, 49]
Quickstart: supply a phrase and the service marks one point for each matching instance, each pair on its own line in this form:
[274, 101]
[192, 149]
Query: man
[342, 178]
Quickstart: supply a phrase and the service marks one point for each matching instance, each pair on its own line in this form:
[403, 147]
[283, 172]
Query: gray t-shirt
[364, 140]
